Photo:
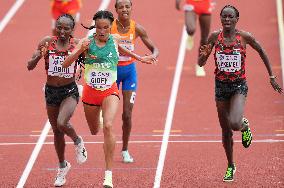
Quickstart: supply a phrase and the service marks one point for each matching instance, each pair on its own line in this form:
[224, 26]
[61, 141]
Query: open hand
[149, 59]
[43, 49]
[85, 44]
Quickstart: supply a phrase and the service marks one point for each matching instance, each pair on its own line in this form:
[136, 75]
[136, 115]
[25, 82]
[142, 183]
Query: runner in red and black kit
[230, 68]
[61, 92]
[230, 79]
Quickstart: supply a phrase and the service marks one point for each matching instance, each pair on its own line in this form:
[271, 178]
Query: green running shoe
[229, 176]
[246, 134]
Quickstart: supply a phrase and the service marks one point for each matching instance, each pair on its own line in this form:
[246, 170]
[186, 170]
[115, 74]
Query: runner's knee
[94, 131]
[235, 123]
[62, 124]
[57, 133]
[126, 116]
[227, 134]
[107, 128]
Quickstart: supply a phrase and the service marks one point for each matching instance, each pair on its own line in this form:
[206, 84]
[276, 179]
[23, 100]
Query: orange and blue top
[127, 41]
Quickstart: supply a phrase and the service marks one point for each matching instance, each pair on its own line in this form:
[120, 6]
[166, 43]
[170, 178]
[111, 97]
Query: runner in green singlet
[100, 90]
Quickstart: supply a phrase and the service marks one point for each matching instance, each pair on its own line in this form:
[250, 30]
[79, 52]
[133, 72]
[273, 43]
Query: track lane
[203, 164]
[164, 27]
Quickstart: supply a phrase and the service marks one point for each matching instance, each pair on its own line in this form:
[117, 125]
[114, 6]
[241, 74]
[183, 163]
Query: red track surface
[188, 164]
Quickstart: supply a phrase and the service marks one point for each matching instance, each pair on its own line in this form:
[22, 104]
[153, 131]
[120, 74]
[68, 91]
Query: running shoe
[81, 152]
[108, 181]
[229, 176]
[246, 134]
[61, 173]
[189, 42]
[126, 158]
[199, 71]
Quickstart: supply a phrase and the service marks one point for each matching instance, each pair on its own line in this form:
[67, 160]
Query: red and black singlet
[229, 59]
[55, 58]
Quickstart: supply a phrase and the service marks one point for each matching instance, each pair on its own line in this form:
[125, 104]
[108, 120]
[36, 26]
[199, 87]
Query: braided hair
[232, 7]
[116, 2]
[69, 17]
[102, 14]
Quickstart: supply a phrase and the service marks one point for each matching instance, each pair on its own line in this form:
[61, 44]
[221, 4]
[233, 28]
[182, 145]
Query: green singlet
[101, 72]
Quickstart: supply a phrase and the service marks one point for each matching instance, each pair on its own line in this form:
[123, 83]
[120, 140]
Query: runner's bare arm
[39, 52]
[144, 59]
[249, 39]
[124, 51]
[205, 50]
[141, 32]
[82, 46]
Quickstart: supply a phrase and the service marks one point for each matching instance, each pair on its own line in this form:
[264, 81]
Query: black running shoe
[246, 134]
[229, 176]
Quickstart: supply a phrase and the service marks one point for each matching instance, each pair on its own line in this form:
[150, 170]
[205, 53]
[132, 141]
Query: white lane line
[10, 14]
[171, 108]
[148, 141]
[281, 34]
[103, 5]
[34, 155]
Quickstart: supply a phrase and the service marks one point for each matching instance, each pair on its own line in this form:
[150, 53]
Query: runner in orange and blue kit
[129, 31]
[202, 9]
[230, 80]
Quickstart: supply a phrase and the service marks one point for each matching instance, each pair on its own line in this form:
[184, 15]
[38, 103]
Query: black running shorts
[225, 90]
[55, 95]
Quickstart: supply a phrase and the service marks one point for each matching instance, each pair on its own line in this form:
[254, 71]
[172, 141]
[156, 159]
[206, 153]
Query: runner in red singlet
[61, 92]
[193, 9]
[60, 7]
[230, 80]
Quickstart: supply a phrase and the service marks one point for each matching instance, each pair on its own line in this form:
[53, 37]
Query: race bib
[129, 47]
[229, 63]
[100, 80]
[55, 67]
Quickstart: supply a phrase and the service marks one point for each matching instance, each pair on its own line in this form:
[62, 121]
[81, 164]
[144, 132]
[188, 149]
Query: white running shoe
[81, 152]
[199, 71]
[61, 173]
[189, 42]
[108, 181]
[126, 158]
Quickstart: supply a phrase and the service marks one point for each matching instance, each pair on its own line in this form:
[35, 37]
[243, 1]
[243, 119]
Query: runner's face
[123, 9]
[228, 19]
[103, 27]
[64, 28]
